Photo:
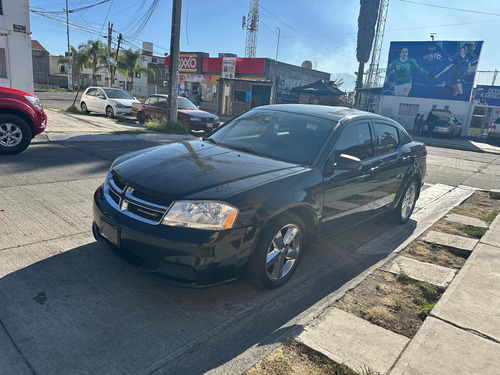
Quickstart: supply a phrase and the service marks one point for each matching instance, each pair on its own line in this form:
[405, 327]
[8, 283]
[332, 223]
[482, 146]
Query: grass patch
[474, 232]
[296, 359]
[161, 125]
[489, 218]
[435, 254]
[73, 109]
[125, 120]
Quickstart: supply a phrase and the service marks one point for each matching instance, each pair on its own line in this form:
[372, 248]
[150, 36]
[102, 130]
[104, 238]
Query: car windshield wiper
[211, 140]
[249, 150]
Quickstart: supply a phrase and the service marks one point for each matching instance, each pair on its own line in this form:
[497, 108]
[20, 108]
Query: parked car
[21, 118]
[255, 193]
[188, 113]
[109, 101]
[445, 123]
[493, 134]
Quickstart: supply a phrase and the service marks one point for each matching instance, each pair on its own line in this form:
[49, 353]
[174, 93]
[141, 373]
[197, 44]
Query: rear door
[90, 98]
[394, 161]
[348, 194]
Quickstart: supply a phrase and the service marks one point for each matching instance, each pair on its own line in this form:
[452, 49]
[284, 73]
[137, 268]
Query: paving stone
[492, 236]
[353, 341]
[439, 348]
[450, 240]
[421, 271]
[466, 220]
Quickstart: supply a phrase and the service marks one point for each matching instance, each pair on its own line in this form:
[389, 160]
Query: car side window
[355, 140]
[162, 102]
[100, 92]
[388, 138]
[91, 92]
[151, 100]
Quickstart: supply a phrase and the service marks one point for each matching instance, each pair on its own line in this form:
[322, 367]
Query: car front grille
[135, 203]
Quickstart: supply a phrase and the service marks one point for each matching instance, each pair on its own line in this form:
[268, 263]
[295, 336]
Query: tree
[95, 56]
[128, 64]
[78, 59]
[367, 20]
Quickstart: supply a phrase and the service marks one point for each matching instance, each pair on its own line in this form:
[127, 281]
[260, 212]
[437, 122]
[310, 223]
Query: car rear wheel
[141, 118]
[15, 134]
[406, 205]
[84, 108]
[110, 112]
[278, 252]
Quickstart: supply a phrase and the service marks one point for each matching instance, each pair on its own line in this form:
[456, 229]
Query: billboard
[486, 95]
[432, 69]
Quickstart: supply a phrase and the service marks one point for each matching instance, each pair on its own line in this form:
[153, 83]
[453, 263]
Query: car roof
[322, 111]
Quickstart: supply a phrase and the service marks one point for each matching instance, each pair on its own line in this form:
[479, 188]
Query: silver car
[109, 101]
[494, 131]
[448, 126]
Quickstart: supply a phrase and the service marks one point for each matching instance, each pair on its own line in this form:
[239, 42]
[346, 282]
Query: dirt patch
[458, 229]
[294, 358]
[479, 205]
[435, 254]
[396, 303]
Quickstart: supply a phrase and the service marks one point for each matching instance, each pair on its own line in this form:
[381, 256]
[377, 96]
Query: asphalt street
[70, 307]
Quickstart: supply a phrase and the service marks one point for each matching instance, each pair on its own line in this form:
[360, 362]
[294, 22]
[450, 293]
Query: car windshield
[183, 103]
[117, 94]
[279, 135]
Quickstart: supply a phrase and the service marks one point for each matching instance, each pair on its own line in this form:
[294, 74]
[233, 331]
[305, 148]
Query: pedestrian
[415, 124]
[421, 122]
[431, 123]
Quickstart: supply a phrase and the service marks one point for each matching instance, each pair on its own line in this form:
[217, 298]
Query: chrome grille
[134, 203]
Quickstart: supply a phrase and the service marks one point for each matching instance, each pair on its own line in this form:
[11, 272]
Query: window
[240, 96]
[151, 100]
[154, 60]
[408, 109]
[100, 93]
[162, 102]
[3, 65]
[388, 138]
[355, 140]
[91, 92]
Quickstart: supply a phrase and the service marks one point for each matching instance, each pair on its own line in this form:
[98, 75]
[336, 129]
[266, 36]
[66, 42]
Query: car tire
[110, 112]
[84, 108]
[141, 118]
[275, 258]
[401, 214]
[15, 134]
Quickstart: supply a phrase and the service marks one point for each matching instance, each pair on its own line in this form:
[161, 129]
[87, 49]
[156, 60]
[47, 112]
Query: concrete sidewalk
[459, 144]
[460, 336]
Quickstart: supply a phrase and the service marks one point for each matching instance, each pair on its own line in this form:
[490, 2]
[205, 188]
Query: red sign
[187, 62]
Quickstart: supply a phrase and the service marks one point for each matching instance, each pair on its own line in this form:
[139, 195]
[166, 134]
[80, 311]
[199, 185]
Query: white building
[16, 68]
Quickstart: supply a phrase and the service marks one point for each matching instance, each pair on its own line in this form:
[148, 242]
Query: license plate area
[110, 232]
[210, 125]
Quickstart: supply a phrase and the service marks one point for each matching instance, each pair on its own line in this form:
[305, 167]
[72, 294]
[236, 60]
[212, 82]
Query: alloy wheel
[10, 135]
[408, 201]
[283, 252]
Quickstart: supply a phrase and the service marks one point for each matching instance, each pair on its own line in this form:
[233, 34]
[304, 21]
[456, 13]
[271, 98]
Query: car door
[101, 101]
[161, 107]
[348, 194]
[394, 162]
[149, 107]
[89, 98]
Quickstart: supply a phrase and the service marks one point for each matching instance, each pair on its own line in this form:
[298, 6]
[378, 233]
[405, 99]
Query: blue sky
[317, 30]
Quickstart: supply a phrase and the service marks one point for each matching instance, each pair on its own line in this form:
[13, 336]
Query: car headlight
[119, 105]
[207, 215]
[195, 119]
[34, 100]
[216, 119]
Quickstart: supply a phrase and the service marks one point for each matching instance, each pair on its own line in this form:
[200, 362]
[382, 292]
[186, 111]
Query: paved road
[69, 307]
[57, 99]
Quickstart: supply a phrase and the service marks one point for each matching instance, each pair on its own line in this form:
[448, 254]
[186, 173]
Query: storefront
[486, 109]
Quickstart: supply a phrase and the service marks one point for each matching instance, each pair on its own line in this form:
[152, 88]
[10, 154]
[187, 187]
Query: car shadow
[82, 310]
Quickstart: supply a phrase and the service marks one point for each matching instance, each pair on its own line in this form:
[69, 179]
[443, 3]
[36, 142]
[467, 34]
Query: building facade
[16, 69]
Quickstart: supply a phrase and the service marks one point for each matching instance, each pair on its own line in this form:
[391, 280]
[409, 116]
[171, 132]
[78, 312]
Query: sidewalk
[459, 144]
[460, 336]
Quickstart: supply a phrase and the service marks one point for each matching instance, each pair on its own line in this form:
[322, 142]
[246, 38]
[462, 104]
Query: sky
[321, 31]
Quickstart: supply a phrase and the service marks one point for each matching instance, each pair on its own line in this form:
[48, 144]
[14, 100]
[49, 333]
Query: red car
[188, 113]
[21, 118]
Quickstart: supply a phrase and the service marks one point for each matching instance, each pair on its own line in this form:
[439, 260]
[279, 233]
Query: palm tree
[128, 64]
[95, 53]
[78, 59]
[367, 20]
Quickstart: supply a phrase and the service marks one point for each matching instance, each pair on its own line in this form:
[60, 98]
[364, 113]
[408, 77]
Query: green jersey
[402, 70]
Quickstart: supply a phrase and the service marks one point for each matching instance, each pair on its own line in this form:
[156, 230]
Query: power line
[450, 8]
[76, 9]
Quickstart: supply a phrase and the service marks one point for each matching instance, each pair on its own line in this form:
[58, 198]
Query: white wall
[17, 45]
[389, 107]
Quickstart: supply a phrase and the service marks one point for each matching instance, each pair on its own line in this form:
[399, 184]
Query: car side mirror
[347, 162]
[100, 96]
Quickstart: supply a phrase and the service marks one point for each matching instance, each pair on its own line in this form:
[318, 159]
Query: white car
[109, 101]
[494, 131]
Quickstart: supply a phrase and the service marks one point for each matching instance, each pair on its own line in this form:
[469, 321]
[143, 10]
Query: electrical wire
[450, 8]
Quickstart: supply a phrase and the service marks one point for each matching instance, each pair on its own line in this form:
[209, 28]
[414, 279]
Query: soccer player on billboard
[462, 66]
[402, 68]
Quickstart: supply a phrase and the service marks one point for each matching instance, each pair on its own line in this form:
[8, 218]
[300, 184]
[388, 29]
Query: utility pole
[278, 46]
[70, 66]
[116, 58]
[110, 31]
[173, 71]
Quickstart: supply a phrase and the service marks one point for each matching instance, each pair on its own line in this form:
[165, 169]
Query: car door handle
[405, 158]
[373, 169]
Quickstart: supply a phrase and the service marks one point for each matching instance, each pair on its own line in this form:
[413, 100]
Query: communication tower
[252, 23]
[373, 71]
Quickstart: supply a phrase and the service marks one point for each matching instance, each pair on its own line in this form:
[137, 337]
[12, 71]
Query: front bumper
[122, 111]
[208, 127]
[40, 122]
[182, 256]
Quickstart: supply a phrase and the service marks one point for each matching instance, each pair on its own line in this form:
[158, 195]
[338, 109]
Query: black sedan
[251, 197]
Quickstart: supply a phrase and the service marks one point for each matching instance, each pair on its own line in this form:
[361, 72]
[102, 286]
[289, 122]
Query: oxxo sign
[188, 63]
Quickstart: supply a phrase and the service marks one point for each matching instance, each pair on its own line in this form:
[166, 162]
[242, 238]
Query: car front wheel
[278, 252]
[406, 205]
[15, 134]
[84, 108]
[110, 112]
[141, 118]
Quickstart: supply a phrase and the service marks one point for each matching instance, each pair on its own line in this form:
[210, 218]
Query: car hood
[186, 169]
[125, 102]
[196, 113]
